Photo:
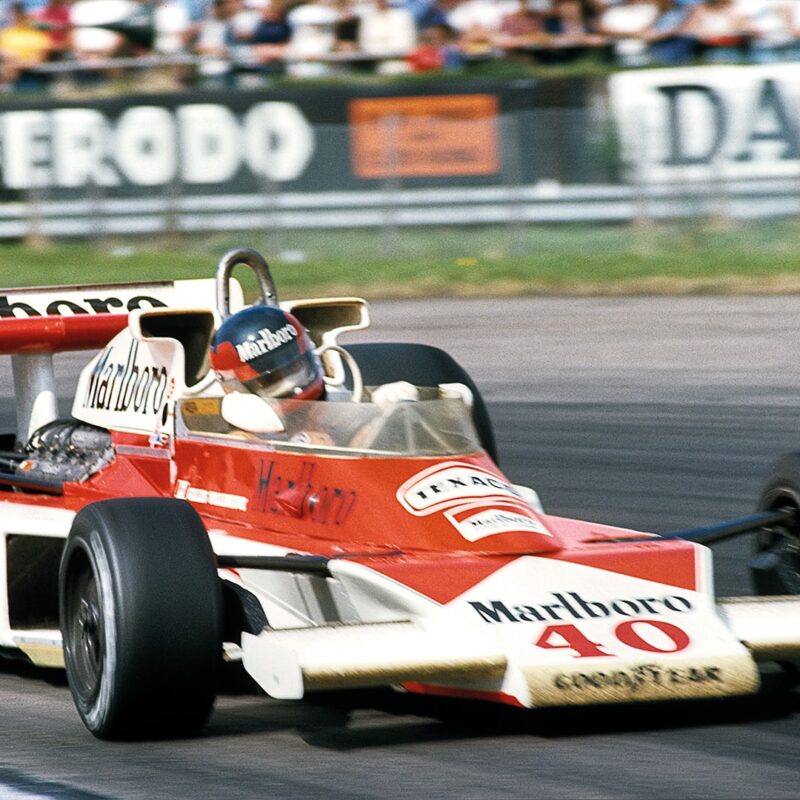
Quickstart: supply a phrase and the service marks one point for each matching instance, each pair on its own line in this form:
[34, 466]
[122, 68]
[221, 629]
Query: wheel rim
[85, 646]
[784, 540]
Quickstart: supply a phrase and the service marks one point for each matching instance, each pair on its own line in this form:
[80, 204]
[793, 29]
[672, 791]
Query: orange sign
[434, 136]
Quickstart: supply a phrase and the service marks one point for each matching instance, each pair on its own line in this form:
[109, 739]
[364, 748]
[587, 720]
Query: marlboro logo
[119, 383]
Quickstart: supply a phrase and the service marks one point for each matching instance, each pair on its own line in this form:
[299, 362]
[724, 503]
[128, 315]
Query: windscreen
[435, 427]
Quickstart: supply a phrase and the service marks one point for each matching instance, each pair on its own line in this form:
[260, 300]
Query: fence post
[511, 153]
[390, 162]
[35, 229]
[172, 224]
[97, 212]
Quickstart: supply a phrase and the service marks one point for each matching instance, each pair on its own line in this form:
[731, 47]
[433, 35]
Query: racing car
[167, 527]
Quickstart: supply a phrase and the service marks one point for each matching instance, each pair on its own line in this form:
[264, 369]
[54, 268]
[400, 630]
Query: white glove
[397, 392]
[456, 391]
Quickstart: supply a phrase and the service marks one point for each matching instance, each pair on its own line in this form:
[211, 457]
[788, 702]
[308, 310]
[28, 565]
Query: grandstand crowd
[320, 37]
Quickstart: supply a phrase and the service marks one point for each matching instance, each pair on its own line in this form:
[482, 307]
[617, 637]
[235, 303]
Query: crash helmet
[266, 351]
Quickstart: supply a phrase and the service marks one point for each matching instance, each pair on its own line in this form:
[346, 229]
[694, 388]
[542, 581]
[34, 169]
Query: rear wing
[52, 319]
[37, 322]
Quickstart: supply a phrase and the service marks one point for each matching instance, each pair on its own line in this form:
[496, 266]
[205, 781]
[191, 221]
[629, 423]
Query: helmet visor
[288, 381]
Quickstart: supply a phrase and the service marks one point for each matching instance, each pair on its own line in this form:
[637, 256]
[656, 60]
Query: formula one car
[166, 526]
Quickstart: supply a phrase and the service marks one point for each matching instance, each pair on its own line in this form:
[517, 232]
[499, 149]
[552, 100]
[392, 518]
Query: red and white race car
[369, 539]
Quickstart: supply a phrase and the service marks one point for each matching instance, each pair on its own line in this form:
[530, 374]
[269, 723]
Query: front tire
[141, 618]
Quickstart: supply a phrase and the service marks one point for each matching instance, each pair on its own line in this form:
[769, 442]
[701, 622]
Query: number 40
[559, 637]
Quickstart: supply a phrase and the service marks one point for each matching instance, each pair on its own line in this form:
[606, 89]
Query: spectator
[594, 9]
[437, 50]
[625, 24]
[793, 51]
[769, 24]
[628, 18]
[228, 25]
[477, 21]
[569, 24]
[90, 40]
[389, 33]
[345, 28]
[219, 37]
[173, 24]
[523, 27]
[313, 35]
[55, 18]
[436, 13]
[22, 47]
[271, 36]
[667, 38]
[720, 30]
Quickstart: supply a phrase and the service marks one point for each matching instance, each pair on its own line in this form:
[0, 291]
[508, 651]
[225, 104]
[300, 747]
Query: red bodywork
[346, 507]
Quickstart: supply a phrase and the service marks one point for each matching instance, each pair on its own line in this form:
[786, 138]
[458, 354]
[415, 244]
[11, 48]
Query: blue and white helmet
[266, 351]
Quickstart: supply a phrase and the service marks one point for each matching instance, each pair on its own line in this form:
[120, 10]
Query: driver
[266, 351]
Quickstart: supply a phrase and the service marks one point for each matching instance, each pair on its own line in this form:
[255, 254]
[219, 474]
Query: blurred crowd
[317, 37]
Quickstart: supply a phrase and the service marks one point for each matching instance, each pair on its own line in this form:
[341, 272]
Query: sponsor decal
[450, 484]
[151, 145]
[634, 679]
[299, 495]
[430, 136]
[267, 342]
[118, 382]
[570, 605]
[11, 306]
[474, 525]
[476, 501]
[194, 494]
[729, 122]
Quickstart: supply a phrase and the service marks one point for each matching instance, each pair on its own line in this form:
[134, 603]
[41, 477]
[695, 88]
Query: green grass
[576, 260]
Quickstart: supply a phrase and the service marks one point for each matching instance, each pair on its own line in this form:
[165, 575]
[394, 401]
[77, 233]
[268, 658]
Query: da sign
[725, 122]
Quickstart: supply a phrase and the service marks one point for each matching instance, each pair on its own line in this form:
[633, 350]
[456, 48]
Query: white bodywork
[361, 628]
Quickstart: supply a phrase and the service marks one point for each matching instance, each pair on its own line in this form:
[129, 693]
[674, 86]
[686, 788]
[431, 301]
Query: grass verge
[752, 258]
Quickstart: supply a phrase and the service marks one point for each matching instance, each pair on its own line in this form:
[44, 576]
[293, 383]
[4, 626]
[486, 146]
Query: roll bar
[248, 258]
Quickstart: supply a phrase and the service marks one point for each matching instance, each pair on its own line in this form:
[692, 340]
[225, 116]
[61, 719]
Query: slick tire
[140, 605]
[775, 567]
[422, 365]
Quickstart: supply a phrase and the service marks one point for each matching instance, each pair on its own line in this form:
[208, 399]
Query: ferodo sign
[727, 122]
[152, 145]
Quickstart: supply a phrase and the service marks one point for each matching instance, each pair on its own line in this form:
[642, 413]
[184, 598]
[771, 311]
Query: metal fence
[553, 165]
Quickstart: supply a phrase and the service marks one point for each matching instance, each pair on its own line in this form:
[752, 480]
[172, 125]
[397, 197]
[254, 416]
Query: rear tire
[141, 618]
[422, 365]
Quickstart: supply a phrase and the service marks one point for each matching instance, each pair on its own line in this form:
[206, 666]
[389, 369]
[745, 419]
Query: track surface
[656, 414]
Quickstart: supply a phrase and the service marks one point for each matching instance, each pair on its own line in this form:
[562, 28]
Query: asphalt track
[657, 414]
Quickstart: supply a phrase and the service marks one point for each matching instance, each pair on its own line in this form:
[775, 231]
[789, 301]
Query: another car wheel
[775, 567]
[422, 365]
[141, 618]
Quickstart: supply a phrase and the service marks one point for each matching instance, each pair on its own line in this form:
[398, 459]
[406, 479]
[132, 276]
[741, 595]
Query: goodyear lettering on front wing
[578, 635]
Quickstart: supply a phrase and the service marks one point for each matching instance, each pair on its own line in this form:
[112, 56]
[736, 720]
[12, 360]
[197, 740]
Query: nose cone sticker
[475, 501]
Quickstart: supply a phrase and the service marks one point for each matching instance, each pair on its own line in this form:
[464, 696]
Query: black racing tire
[422, 365]
[775, 568]
[141, 618]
